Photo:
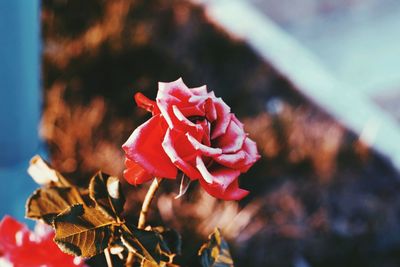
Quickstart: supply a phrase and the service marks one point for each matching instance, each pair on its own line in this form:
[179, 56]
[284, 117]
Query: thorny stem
[143, 212]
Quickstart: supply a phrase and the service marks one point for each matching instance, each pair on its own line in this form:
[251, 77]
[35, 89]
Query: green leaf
[215, 253]
[105, 191]
[46, 203]
[84, 231]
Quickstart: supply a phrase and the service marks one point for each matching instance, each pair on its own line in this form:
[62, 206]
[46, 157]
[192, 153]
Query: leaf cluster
[88, 221]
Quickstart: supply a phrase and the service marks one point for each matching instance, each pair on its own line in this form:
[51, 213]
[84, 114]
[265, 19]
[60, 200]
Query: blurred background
[316, 83]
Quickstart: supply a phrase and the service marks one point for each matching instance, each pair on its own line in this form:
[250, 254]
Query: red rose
[23, 248]
[193, 131]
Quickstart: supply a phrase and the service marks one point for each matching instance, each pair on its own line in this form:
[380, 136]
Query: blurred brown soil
[318, 196]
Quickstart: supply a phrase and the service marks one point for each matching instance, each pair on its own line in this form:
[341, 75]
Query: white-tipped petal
[203, 170]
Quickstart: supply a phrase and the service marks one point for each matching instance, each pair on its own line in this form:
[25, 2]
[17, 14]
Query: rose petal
[223, 118]
[234, 160]
[219, 175]
[233, 192]
[147, 104]
[210, 110]
[178, 94]
[203, 170]
[135, 174]
[250, 148]
[232, 140]
[205, 130]
[237, 121]
[201, 90]
[176, 88]
[193, 110]
[144, 147]
[241, 160]
[178, 114]
[180, 152]
[169, 94]
[225, 176]
[205, 150]
[185, 125]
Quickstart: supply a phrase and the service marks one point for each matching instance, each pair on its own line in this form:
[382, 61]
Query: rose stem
[147, 200]
[145, 207]
[129, 259]
[108, 257]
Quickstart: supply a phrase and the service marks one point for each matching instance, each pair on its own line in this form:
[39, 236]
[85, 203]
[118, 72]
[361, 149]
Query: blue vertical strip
[19, 80]
[20, 100]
